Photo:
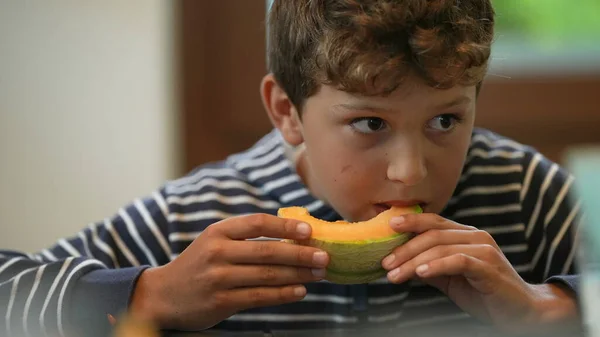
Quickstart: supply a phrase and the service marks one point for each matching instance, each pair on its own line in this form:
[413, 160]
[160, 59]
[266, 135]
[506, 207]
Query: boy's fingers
[255, 276]
[408, 270]
[433, 238]
[419, 223]
[248, 298]
[477, 271]
[258, 225]
[275, 253]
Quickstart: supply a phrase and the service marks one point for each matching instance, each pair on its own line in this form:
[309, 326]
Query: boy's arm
[71, 287]
[551, 213]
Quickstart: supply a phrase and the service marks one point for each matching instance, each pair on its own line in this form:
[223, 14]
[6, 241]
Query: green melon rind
[355, 262]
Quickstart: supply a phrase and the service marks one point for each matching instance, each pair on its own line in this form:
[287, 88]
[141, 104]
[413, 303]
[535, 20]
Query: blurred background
[103, 101]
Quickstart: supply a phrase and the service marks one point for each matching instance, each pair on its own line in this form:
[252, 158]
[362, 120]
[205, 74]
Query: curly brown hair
[370, 46]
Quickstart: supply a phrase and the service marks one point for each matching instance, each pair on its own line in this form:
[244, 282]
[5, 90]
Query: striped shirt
[521, 198]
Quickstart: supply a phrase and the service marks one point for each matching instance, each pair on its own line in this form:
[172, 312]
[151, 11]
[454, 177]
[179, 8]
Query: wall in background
[88, 113]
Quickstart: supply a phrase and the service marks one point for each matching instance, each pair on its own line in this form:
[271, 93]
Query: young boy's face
[364, 154]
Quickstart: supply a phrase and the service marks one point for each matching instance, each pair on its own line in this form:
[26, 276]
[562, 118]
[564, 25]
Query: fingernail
[392, 275]
[319, 272]
[299, 291]
[320, 259]
[422, 269]
[303, 229]
[397, 220]
[388, 260]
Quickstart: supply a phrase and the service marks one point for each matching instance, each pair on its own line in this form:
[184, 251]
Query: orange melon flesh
[355, 248]
[373, 229]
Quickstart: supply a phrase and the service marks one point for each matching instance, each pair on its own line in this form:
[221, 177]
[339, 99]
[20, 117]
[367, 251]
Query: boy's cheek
[444, 178]
[354, 190]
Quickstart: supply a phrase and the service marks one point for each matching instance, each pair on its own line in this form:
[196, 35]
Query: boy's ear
[282, 113]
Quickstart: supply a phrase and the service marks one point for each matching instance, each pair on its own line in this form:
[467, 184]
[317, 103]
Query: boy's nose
[407, 166]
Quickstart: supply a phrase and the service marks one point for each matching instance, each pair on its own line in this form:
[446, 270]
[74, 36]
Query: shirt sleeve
[551, 215]
[69, 288]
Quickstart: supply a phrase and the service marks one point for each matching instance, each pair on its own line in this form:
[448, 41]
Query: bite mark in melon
[355, 248]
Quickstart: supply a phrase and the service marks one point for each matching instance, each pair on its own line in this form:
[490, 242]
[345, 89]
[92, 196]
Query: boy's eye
[368, 124]
[444, 122]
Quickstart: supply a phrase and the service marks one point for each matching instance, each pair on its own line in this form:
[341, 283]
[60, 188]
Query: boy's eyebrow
[457, 101]
[361, 107]
[364, 106]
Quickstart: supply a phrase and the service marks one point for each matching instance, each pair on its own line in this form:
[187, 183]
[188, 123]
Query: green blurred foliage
[549, 23]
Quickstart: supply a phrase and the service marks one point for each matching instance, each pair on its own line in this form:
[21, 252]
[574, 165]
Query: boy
[373, 104]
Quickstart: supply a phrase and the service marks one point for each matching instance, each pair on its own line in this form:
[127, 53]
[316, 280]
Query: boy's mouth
[384, 206]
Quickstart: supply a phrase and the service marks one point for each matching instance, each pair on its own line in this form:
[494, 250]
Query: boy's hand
[468, 266]
[221, 273]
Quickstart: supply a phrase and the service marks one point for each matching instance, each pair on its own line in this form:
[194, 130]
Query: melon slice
[355, 248]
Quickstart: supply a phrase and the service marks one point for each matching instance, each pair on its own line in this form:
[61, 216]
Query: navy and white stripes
[523, 200]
